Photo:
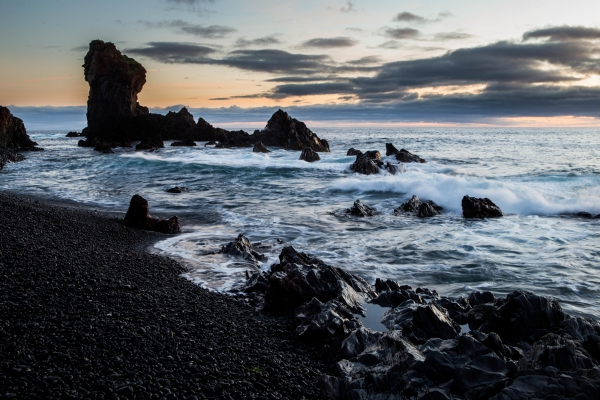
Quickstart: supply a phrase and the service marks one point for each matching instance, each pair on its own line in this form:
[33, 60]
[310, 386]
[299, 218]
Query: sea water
[538, 177]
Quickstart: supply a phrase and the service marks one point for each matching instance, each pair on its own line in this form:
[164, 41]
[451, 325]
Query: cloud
[451, 36]
[401, 33]
[199, 30]
[189, 2]
[408, 17]
[367, 60]
[348, 8]
[262, 41]
[275, 61]
[81, 48]
[563, 33]
[171, 52]
[327, 43]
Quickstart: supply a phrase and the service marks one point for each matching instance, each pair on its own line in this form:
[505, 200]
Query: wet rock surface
[241, 247]
[519, 347]
[86, 313]
[138, 215]
[421, 209]
[370, 162]
[185, 142]
[402, 155]
[284, 131]
[359, 209]
[309, 155]
[473, 207]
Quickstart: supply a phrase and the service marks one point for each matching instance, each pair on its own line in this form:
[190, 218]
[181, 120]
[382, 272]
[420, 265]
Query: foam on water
[277, 200]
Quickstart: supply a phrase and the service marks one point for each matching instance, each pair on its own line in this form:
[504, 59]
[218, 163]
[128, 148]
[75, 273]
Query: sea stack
[113, 111]
[284, 131]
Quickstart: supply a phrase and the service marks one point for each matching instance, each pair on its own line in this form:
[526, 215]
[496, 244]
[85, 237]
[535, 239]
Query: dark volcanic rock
[241, 247]
[367, 163]
[184, 142]
[422, 209]
[138, 215]
[299, 277]
[13, 138]
[104, 148]
[259, 147]
[322, 320]
[353, 152]
[284, 131]
[178, 189]
[402, 155]
[361, 210]
[205, 132]
[150, 144]
[309, 155]
[13, 135]
[74, 134]
[479, 208]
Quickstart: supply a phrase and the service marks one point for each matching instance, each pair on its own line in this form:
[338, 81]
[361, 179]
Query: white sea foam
[448, 191]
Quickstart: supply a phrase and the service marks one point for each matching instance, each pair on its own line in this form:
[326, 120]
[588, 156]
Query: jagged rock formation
[13, 138]
[421, 209]
[402, 155]
[359, 209]
[473, 207]
[309, 155]
[369, 163]
[115, 116]
[284, 131]
[522, 346]
[259, 147]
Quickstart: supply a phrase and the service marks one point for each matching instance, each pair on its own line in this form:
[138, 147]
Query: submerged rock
[150, 144]
[284, 131]
[104, 148]
[178, 189]
[74, 134]
[259, 147]
[359, 209]
[473, 207]
[309, 155]
[421, 209]
[138, 216]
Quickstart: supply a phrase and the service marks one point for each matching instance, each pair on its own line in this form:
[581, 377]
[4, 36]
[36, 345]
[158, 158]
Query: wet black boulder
[309, 155]
[474, 207]
[359, 209]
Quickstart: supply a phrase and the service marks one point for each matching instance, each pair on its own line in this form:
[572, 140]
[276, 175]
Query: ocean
[538, 177]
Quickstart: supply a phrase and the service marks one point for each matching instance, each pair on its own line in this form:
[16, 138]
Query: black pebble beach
[86, 312]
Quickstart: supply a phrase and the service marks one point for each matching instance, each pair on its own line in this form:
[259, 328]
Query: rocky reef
[13, 138]
[522, 346]
[115, 116]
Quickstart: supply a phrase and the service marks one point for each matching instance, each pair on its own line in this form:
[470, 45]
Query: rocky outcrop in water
[369, 163]
[353, 152]
[178, 189]
[421, 209]
[13, 138]
[359, 209]
[474, 207]
[138, 216]
[284, 131]
[241, 247]
[259, 147]
[309, 155]
[522, 346]
[402, 155]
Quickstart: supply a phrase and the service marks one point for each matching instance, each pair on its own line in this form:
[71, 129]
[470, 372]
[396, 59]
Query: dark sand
[86, 312]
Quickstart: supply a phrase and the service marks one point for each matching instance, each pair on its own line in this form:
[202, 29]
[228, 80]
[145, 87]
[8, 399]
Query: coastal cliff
[13, 138]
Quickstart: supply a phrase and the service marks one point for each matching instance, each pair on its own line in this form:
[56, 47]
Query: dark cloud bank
[539, 76]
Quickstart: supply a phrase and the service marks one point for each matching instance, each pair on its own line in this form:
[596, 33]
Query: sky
[329, 62]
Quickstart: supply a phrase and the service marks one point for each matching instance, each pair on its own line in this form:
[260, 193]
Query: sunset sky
[475, 63]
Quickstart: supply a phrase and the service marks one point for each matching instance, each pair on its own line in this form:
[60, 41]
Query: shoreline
[87, 311]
